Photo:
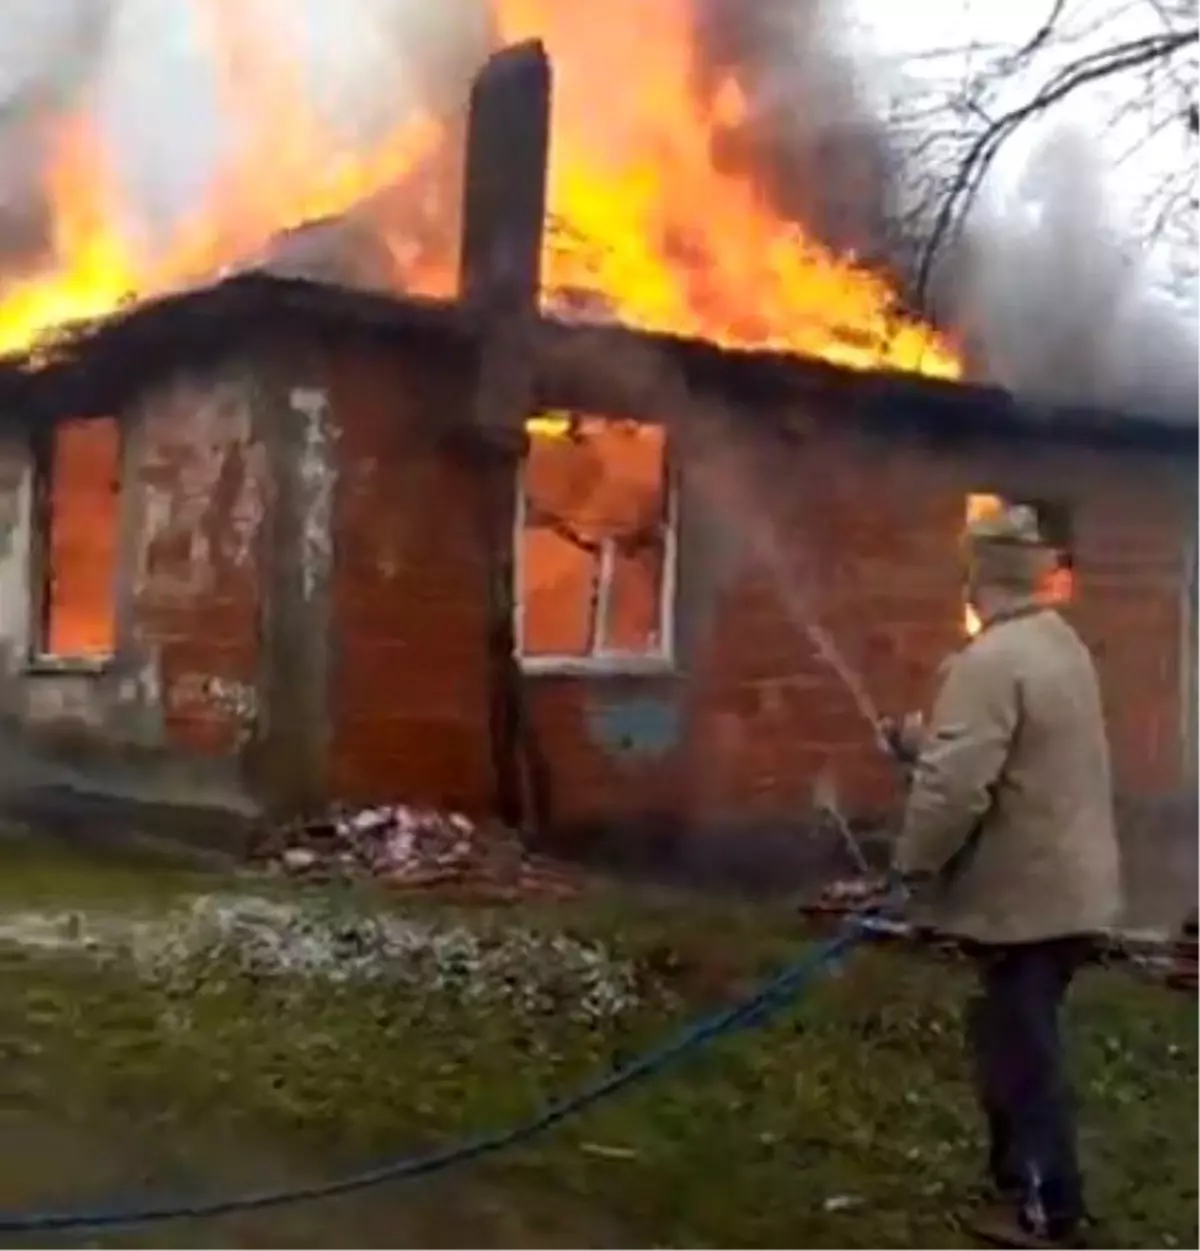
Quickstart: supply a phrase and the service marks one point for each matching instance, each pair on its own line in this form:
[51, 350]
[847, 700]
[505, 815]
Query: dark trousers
[1021, 1076]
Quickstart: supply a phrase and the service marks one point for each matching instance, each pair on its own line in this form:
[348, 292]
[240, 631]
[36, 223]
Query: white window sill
[612, 666]
[50, 665]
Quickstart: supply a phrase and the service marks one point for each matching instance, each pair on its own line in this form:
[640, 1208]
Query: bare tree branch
[1151, 50]
[1040, 36]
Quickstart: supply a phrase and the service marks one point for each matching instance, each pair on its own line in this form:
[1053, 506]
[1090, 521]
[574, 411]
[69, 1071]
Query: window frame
[600, 662]
[40, 496]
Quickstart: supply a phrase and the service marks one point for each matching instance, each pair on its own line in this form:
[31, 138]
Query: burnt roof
[891, 400]
[95, 367]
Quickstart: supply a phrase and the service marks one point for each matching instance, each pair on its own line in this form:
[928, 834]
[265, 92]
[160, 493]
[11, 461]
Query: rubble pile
[414, 849]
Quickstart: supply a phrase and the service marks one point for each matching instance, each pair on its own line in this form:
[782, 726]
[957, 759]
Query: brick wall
[197, 489]
[408, 679]
[170, 720]
[864, 530]
[810, 513]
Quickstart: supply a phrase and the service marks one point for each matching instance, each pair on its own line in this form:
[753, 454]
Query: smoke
[1041, 288]
[1051, 304]
[148, 76]
[809, 136]
[47, 50]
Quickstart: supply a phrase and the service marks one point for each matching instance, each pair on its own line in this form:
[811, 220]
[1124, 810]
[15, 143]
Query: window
[77, 492]
[596, 545]
[1054, 523]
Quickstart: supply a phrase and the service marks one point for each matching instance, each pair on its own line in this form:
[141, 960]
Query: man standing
[1009, 836]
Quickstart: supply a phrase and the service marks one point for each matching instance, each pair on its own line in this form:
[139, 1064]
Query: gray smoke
[46, 51]
[1041, 286]
[1052, 305]
[144, 72]
[810, 135]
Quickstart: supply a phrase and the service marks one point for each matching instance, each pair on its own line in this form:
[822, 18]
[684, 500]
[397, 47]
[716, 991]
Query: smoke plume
[1051, 305]
[46, 52]
[148, 77]
[1040, 287]
[809, 135]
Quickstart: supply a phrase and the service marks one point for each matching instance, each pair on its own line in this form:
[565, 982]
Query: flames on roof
[642, 212]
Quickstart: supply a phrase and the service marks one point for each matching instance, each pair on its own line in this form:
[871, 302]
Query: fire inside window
[79, 492]
[596, 549]
[1054, 522]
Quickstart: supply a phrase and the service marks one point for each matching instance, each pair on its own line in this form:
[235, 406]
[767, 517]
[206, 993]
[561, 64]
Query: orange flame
[639, 212]
[95, 266]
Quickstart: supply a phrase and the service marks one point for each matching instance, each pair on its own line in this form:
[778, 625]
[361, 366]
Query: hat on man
[1005, 548]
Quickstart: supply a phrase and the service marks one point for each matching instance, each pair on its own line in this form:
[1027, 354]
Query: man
[1008, 840]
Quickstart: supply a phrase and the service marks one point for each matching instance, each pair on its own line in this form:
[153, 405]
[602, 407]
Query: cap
[1013, 525]
[1005, 548]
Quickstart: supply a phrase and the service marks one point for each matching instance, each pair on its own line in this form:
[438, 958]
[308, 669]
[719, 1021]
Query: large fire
[640, 215]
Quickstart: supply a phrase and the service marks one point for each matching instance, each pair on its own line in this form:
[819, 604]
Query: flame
[94, 277]
[84, 531]
[639, 212]
[287, 170]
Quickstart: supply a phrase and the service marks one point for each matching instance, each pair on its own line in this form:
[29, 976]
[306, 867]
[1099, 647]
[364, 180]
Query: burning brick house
[273, 543]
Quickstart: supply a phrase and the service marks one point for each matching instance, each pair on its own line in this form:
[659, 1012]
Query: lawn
[158, 1037]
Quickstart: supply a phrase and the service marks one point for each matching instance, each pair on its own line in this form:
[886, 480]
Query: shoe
[1001, 1225]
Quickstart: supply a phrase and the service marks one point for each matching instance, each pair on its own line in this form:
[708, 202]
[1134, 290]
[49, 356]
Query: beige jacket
[1011, 802]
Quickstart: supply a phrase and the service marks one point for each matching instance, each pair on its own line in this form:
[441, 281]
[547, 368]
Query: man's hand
[904, 737]
[888, 895]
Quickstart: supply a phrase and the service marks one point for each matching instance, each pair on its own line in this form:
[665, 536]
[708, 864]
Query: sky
[1135, 156]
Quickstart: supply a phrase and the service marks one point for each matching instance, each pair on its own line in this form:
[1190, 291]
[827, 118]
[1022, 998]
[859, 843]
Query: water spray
[825, 802]
[827, 649]
[647, 382]
[823, 643]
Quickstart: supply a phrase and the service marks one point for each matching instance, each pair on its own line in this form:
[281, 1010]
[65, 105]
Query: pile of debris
[414, 849]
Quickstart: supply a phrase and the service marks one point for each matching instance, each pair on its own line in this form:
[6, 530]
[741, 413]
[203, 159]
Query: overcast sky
[1137, 149]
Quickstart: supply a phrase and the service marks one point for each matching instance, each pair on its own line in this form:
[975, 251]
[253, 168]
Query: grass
[845, 1123]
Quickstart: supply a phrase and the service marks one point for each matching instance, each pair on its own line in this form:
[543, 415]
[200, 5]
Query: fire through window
[79, 497]
[1054, 523]
[596, 544]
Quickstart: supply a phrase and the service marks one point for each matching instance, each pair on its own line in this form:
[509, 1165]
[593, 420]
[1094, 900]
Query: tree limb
[979, 157]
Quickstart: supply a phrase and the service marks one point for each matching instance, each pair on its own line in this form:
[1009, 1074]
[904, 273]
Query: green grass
[848, 1122]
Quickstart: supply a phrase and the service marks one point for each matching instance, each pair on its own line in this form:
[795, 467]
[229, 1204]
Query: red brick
[867, 532]
[409, 686]
[201, 622]
[210, 735]
[764, 715]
